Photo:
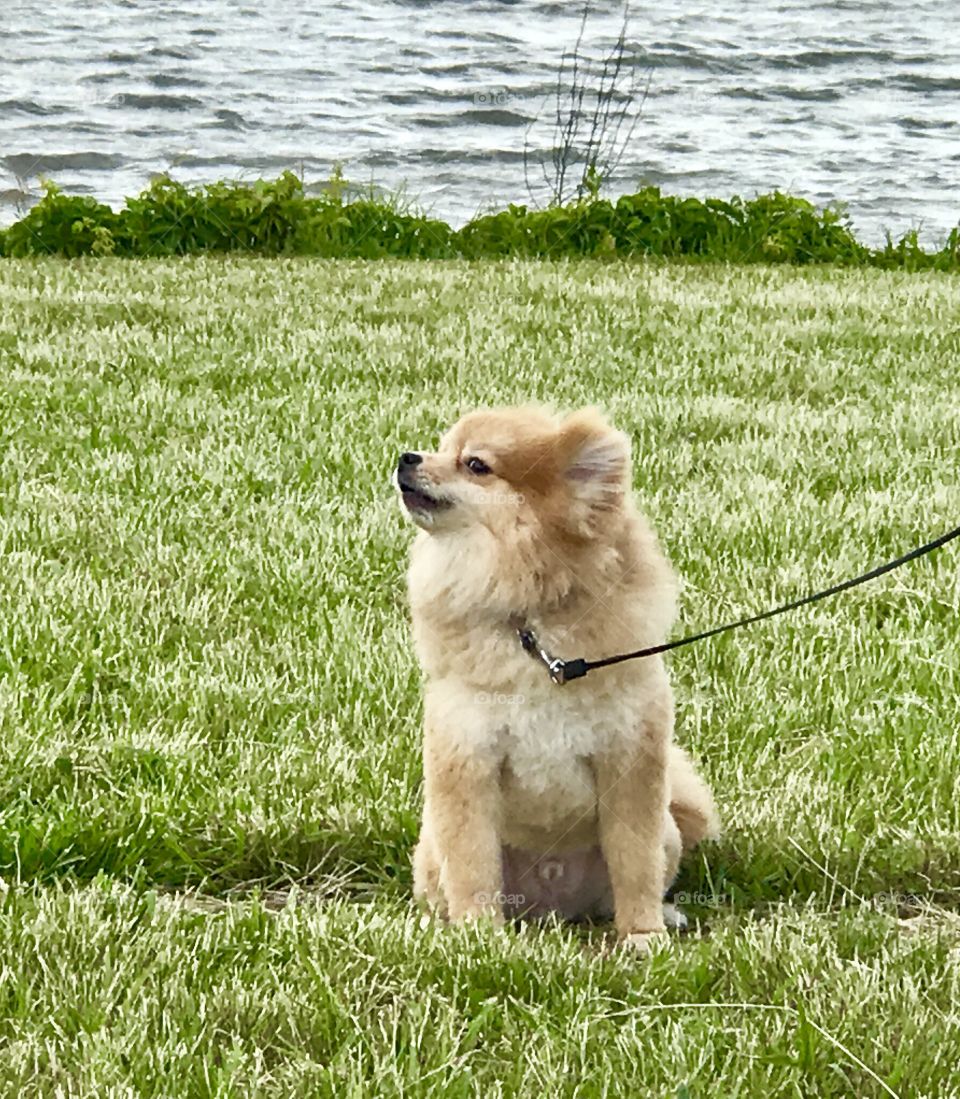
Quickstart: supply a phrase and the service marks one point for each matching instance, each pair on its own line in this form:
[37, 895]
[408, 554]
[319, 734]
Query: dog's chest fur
[548, 736]
[543, 738]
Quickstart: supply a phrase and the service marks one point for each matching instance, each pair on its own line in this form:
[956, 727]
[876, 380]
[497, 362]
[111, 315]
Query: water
[850, 100]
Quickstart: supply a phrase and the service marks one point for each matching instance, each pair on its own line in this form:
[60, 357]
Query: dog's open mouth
[417, 499]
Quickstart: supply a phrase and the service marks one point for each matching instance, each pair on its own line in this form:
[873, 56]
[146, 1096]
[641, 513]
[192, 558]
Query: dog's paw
[643, 942]
[673, 917]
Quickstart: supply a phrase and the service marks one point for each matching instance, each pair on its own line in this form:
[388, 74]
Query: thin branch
[618, 63]
[625, 144]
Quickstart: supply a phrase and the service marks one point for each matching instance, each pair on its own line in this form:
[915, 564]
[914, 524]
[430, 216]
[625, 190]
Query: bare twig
[596, 112]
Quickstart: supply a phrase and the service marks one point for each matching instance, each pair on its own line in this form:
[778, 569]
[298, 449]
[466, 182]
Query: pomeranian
[541, 798]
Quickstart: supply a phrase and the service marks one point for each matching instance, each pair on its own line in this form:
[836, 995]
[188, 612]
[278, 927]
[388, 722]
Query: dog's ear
[595, 459]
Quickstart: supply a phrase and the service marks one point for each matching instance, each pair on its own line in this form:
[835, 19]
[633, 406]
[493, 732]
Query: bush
[62, 225]
[369, 230]
[169, 219]
[278, 218]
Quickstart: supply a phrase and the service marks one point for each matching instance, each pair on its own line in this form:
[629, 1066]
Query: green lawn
[210, 708]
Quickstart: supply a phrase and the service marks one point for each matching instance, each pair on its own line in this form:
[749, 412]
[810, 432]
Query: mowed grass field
[210, 708]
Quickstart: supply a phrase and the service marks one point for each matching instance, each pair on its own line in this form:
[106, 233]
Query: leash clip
[560, 671]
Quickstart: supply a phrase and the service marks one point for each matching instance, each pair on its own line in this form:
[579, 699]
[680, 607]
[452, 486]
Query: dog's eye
[475, 465]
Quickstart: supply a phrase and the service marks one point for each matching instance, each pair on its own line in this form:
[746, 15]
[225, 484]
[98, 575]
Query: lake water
[851, 100]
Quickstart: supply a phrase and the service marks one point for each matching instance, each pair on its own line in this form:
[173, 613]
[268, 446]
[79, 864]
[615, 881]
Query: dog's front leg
[632, 795]
[462, 806]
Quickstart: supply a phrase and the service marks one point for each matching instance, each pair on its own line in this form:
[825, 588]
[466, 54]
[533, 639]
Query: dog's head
[514, 470]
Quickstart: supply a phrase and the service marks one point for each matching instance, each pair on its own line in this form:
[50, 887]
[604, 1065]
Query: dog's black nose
[409, 459]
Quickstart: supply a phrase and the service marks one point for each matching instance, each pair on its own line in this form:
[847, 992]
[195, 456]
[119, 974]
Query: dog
[541, 798]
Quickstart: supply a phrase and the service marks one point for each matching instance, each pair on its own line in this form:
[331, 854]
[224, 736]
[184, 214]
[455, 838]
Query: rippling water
[851, 100]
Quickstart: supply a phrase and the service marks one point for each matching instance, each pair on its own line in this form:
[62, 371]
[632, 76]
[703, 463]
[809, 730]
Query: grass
[209, 706]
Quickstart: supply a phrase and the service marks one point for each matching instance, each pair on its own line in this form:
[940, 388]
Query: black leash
[562, 671]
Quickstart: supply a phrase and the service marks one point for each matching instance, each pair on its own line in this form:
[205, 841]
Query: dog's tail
[691, 803]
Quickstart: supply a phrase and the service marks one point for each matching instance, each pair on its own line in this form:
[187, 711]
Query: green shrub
[368, 229]
[62, 225]
[907, 253]
[772, 228]
[276, 218]
[170, 219]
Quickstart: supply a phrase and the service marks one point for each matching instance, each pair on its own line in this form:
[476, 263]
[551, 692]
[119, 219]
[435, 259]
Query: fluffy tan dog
[543, 798]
